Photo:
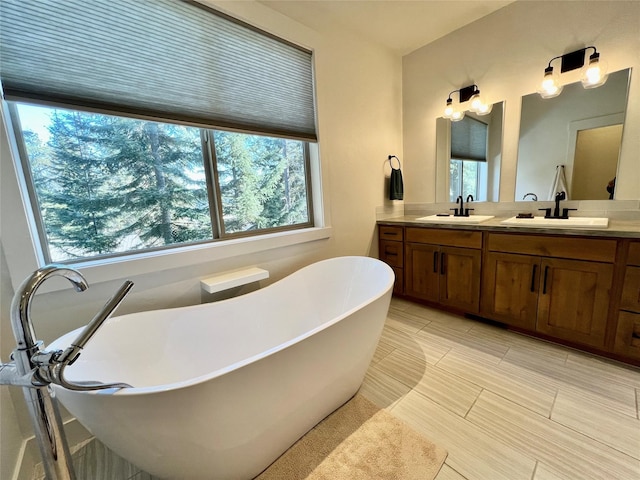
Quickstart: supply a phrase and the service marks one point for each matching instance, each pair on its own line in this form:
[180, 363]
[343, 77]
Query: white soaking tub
[220, 390]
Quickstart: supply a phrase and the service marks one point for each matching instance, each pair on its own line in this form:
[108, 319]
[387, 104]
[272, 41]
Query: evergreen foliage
[109, 184]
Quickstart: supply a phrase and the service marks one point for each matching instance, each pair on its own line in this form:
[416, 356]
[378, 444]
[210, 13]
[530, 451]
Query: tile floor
[504, 405]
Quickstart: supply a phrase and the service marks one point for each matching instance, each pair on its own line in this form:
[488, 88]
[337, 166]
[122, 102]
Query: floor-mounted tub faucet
[34, 369]
[534, 197]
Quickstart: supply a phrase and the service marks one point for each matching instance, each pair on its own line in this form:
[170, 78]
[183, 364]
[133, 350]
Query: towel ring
[391, 163]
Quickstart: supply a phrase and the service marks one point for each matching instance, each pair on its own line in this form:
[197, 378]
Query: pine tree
[114, 184]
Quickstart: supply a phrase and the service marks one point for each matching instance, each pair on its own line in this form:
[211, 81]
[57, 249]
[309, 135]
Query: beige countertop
[616, 228]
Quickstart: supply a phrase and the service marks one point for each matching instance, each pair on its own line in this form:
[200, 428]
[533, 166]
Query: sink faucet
[462, 212]
[469, 200]
[34, 369]
[559, 196]
[556, 211]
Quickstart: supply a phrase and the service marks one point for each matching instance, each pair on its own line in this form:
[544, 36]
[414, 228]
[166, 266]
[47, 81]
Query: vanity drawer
[390, 233]
[452, 238]
[631, 290]
[628, 335]
[392, 253]
[592, 249]
[634, 254]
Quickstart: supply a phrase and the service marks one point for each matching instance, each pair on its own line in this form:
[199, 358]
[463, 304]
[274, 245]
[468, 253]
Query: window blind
[170, 59]
[469, 140]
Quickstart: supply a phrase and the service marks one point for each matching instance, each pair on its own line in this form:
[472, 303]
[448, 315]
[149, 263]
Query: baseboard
[29, 463]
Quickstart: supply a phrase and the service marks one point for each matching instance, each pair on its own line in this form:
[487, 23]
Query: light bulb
[594, 73]
[457, 115]
[476, 103]
[448, 111]
[550, 86]
[484, 109]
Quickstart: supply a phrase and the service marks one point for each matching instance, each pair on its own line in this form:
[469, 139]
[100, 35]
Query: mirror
[459, 170]
[581, 129]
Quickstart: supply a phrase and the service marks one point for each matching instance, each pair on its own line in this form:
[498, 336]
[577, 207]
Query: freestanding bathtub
[221, 390]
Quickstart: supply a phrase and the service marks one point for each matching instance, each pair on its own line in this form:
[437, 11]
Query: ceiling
[400, 25]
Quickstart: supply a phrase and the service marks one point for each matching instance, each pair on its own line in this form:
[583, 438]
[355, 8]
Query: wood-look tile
[467, 339]
[545, 472]
[514, 385]
[382, 389]
[533, 351]
[448, 473]
[404, 321]
[382, 350]
[590, 418]
[472, 452]
[575, 377]
[99, 463]
[432, 349]
[509, 380]
[566, 451]
[604, 369]
[400, 303]
[447, 320]
[451, 392]
[401, 340]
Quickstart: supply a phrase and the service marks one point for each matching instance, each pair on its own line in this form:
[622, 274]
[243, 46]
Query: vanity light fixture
[593, 73]
[467, 94]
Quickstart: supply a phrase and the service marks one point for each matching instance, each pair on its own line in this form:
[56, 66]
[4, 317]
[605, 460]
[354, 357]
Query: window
[104, 185]
[148, 125]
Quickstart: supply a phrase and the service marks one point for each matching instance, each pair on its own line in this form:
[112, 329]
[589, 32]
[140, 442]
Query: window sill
[149, 262]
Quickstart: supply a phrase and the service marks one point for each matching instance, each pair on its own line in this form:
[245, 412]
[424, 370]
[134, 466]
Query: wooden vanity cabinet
[443, 266]
[627, 339]
[391, 251]
[558, 286]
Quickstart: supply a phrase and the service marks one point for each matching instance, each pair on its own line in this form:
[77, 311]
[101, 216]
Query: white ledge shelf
[236, 278]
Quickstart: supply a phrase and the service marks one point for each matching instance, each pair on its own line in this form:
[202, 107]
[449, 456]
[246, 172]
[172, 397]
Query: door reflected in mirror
[580, 129]
[468, 156]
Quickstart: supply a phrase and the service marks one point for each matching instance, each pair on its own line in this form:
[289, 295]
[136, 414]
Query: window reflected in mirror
[580, 129]
[468, 156]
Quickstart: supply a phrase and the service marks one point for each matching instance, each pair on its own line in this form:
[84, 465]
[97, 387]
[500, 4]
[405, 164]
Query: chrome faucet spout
[21, 303]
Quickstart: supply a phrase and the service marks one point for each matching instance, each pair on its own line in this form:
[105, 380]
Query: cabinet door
[628, 335]
[631, 290]
[422, 271]
[510, 288]
[460, 278]
[391, 253]
[573, 301]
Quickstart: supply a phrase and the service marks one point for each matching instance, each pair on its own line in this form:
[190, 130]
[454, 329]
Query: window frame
[211, 174]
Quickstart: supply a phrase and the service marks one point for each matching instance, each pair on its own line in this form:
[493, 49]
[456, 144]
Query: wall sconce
[467, 94]
[593, 74]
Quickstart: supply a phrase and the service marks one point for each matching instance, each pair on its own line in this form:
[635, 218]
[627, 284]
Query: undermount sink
[571, 222]
[471, 219]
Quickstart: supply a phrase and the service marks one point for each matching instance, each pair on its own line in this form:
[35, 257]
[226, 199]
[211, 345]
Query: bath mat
[359, 441]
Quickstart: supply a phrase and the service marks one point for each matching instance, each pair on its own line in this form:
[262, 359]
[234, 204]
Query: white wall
[505, 54]
[358, 88]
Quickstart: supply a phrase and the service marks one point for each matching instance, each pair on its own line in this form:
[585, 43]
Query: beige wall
[505, 54]
[358, 89]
